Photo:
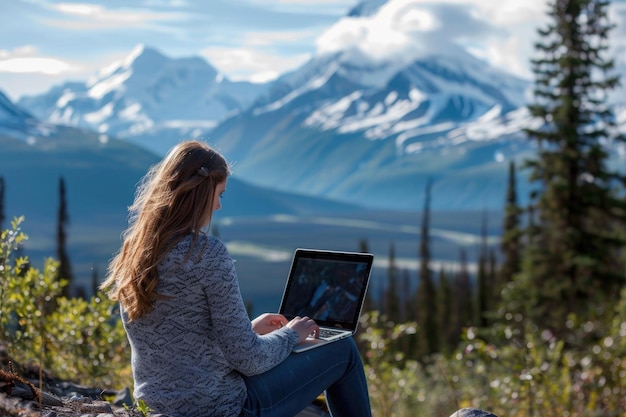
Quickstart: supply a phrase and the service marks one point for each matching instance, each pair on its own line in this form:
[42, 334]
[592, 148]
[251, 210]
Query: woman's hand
[268, 322]
[305, 327]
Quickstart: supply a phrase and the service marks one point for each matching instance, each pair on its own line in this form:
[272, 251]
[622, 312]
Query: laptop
[329, 287]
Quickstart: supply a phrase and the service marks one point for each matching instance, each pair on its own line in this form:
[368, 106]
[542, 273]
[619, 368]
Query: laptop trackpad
[309, 344]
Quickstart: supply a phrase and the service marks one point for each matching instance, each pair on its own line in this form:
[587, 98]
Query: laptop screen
[327, 286]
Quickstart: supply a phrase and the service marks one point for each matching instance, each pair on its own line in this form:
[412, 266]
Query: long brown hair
[174, 199]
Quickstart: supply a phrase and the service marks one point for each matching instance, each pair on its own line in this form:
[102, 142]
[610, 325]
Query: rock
[20, 397]
[123, 398]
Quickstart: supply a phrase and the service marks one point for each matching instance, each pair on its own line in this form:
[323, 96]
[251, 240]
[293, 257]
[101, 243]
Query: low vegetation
[72, 338]
[512, 368]
[540, 330]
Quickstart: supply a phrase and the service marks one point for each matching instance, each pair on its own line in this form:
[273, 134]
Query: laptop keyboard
[325, 333]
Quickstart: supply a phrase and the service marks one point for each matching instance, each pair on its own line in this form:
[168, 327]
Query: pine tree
[494, 291]
[483, 295]
[463, 294]
[95, 280]
[392, 292]
[407, 299]
[363, 246]
[426, 294]
[572, 262]
[370, 298]
[65, 270]
[447, 335]
[510, 244]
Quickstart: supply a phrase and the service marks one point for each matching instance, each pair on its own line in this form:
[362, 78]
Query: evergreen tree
[370, 298]
[392, 292]
[407, 344]
[510, 244]
[494, 291]
[463, 295]
[95, 280]
[483, 295]
[572, 259]
[426, 294]
[80, 292]
[65, 270]
[447, 335]
[407, 299]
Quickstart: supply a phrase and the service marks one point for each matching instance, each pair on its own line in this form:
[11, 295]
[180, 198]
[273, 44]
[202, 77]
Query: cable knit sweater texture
[190, 352]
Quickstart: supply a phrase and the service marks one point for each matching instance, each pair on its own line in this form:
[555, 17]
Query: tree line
[562, 257]
[64, 270]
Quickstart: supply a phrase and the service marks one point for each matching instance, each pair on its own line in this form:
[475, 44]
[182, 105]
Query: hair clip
[203, 171]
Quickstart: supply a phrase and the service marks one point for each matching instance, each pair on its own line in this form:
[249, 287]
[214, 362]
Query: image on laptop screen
[329, 291]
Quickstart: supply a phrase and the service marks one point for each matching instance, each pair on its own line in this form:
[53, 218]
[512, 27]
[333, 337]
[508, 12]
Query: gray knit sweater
[189, 353]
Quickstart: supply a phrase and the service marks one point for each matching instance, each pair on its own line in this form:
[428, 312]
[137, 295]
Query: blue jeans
[472, 412]
[334, 369]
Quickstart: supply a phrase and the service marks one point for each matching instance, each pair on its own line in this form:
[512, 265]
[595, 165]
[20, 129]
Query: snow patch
[310, 86]
[106, 85]
[379, 121]
[99, 116]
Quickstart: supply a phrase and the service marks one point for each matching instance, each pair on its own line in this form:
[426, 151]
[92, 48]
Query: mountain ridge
[354, 127]
[344, 139]
[100, 175]
[144, 96]
[351, 124]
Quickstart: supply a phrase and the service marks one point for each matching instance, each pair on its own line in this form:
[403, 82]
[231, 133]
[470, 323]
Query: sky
[47, 42]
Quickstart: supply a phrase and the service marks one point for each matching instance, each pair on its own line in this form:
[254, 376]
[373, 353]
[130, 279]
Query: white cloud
[390, 32]
[92, 16]
[500, 32]
[250, 63]
[50, 66]
[327, 6]
[260, 39]
[24, 60]
[78, 8]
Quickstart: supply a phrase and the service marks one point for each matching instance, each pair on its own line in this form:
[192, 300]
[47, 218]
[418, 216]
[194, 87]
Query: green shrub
[70, 338]
[513, 370]
[400, 387]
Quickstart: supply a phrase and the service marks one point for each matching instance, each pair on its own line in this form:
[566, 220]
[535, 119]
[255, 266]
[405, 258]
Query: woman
[194, 350]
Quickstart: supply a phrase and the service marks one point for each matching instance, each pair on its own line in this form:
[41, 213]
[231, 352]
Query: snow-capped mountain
[346, 125]
[387, 103]
[146, 96]
[359, 130]
[10, 113]
[18, 123]
[12, 117]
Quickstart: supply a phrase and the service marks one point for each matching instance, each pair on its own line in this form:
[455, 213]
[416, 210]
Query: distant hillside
[261, 226]
[355, 123]
[342, 126]
[100, 176]
[147, 98]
